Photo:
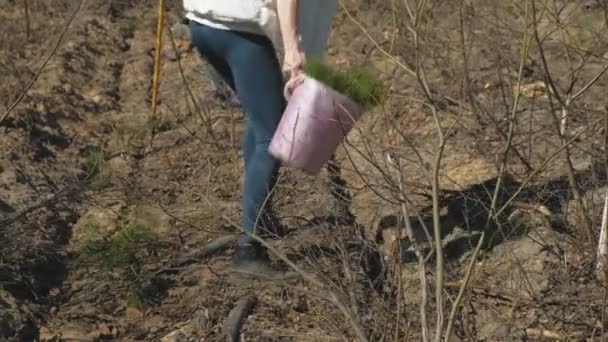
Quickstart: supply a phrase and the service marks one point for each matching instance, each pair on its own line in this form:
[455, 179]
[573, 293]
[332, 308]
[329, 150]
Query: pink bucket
[315, 122]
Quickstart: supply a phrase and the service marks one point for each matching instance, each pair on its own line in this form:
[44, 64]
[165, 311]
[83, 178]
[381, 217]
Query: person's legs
[221, 90]
[214, 67]
[212, 50]
[220, 87]
[248, 144]
[259, 82]
[183, 31]
[255, 74]
[268, 223]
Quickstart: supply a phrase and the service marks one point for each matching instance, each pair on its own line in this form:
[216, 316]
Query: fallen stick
[542, 333]
[232, 325]
[216, 246]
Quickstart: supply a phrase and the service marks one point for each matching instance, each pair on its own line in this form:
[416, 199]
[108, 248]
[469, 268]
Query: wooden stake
[159, 39]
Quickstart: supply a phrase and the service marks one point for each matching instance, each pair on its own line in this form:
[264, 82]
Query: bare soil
[98, 198]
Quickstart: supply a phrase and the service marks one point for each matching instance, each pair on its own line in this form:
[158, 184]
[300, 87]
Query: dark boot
[252, 258]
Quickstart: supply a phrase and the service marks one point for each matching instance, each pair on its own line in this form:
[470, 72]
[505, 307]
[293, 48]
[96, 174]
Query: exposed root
[214, 247]
[232, 325]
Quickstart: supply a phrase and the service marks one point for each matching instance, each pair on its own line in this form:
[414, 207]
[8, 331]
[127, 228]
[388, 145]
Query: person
[220, 90]
[247, 61]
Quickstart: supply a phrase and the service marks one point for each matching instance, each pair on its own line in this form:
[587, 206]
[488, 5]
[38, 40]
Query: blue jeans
[219, 85]
[249, 65]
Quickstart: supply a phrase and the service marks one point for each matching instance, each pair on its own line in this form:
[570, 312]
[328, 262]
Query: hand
[294, 56]
[294, 61]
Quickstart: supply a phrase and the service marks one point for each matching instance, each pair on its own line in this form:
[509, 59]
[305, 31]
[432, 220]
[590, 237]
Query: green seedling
[95, 168]
[118, 251]
[356, 82]
[157, 125]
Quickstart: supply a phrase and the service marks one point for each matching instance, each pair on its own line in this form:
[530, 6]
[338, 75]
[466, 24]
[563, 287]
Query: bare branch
[463, 288]
[237, 316]
[214, 247]
[66, 26]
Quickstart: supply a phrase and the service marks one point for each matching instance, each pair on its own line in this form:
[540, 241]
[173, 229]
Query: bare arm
[288, 19]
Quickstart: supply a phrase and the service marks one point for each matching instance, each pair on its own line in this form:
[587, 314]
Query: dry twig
[234, 322]
[214, 247]
[68, 22]
[463, 288]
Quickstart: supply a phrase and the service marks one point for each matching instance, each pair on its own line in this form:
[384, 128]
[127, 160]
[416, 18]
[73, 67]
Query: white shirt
[249, 28]
[315, 19]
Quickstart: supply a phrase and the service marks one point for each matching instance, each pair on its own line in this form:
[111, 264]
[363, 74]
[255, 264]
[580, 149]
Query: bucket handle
[292, 84]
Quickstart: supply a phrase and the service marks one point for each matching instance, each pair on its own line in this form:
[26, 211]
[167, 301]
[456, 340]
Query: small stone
[119, 166]
[94, 96]
[183, 334]
[41, 107]
[68, 88]
[134, 314]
